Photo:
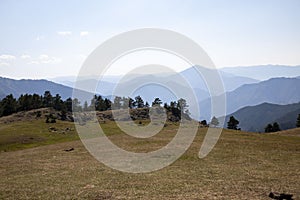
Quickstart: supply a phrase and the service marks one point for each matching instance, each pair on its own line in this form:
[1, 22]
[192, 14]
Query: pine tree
[276, 127]
[272, 128]
[232, 123]
[147, 104]
[68, 104]
[298, 121]
[139, 102]
[57, 102]
[131, 103]
[107, 104]
[8, 105]
[269, 128]
[156, 102]
[47, 99]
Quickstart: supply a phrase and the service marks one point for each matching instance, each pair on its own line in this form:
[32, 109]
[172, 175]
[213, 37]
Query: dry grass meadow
[241, 166]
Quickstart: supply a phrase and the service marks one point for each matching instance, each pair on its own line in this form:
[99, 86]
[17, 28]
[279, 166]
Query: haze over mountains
[18, 87]
[276, 90]
[23, 86]
[191, 75]
[255, 118]
[264, 72]
[242, 87]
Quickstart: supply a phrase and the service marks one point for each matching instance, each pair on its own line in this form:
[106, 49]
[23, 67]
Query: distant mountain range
[147, 87]
[240, 92]
[18, 87]
[264, 72]
[256, 118]
[276, 90]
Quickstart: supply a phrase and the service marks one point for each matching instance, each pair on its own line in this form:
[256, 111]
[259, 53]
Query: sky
[44, 39]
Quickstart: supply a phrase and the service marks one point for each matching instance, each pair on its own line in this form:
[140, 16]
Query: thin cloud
[64, 33]
[4, 64]
[45, 59]
[7, 57]
[34, 62]
[84, 33]
[25, 56]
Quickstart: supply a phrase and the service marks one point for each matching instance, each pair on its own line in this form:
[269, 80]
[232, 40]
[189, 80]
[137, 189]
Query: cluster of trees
[272, 128]
[231, 124]
[275, 126]
[9, 104]
[26, 102]
[177, 108]
[100, 104]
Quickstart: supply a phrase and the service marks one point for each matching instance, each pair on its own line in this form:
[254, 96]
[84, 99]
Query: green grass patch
[28, 134]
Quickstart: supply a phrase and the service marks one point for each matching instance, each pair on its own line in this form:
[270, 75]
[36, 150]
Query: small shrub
[38, 114]
[50, 118]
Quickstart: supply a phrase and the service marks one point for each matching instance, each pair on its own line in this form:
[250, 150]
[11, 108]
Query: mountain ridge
[264, 72]
[30, 86]
[276, 90]
[255, 118]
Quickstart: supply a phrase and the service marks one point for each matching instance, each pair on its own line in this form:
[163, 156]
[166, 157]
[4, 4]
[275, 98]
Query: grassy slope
[241, 166]
[21, 135]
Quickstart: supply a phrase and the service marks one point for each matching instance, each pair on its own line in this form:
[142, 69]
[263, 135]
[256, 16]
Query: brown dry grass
[241, 166]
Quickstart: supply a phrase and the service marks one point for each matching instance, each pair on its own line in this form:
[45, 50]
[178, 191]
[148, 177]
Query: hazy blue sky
[40, 39]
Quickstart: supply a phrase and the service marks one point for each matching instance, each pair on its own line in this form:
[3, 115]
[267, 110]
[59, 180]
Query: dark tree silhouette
[272, 128]
[269, 128]
[203, 122]
[24, 102]
[8, 105]
[47, 99]
[156, 102]
[298, 121]
[232, 123]
[139, 102]
[57, 102]
[107, 104]
[37, 101]
[147, 104]
[68, 105]
[276, 127]
[182, 105]
[131, 103]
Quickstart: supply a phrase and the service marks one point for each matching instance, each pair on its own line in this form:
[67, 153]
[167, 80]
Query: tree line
[26, 102]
